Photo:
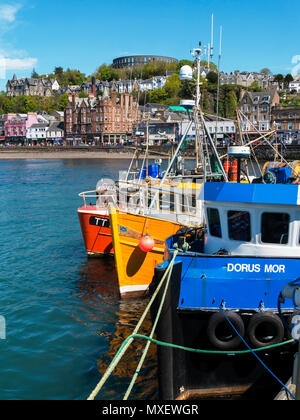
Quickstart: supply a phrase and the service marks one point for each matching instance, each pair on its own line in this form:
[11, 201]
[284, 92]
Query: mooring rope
[120, 353]
[127, 342]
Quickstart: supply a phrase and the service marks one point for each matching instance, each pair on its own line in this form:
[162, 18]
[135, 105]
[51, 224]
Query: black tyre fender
[265, 329]
[221, 334]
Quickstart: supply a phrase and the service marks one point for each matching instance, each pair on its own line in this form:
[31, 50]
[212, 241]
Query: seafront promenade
[262, 152]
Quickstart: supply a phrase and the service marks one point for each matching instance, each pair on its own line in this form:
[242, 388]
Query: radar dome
[186, 73]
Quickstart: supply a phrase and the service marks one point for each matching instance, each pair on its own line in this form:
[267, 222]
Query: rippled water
[64, 318]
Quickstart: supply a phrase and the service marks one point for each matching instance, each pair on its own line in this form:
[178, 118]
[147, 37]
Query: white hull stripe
[99, 212]
[137, 288]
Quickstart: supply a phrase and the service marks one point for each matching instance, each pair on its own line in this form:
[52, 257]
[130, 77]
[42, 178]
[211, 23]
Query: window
[188, 203]
[167, 201]
[214, 222]
[275, 228]
[239, 228]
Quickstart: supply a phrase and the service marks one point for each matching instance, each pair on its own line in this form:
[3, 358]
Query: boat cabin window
[239, 227]
[188, 203]
[167, 201]
[275, 228]
[214, 222]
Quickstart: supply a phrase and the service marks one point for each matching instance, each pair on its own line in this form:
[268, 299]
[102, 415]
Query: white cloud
[8, 64]
[10, 58]
[20, 63]
[8, 12]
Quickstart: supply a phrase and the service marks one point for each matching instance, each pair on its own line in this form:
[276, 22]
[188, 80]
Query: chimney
[94, 86]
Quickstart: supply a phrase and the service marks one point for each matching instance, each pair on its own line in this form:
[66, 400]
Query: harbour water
[64, 320]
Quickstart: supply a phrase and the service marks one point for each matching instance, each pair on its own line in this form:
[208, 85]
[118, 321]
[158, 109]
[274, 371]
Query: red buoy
[146, 243]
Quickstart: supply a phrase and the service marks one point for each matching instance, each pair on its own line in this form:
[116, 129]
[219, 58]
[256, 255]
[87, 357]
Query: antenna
[218, 88]
[212, 37]
[220, 51]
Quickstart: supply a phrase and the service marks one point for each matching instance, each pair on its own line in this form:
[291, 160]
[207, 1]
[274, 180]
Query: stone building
[287, 122]
[256, 109]
[31, 87]
[246, 78]
[100, 120]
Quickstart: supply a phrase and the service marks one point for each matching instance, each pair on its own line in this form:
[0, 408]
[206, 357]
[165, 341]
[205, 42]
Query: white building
[37, 132]
[295, 85]
[223, 128]
[156, 82]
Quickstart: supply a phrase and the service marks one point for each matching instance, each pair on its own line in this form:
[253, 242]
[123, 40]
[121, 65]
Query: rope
[127, 342]
[136, 373]
[177, 346]
[120, 353]
[260, 361]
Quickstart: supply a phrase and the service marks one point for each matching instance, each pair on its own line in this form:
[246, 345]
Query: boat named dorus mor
[234, 271]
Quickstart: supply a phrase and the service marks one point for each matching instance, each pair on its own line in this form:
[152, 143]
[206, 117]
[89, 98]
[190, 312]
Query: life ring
[221, 334]
[265, 329]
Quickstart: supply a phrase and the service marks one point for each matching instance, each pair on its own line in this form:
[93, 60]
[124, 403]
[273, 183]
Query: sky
[83, 34]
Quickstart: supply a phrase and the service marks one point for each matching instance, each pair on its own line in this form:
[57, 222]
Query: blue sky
[82, 34]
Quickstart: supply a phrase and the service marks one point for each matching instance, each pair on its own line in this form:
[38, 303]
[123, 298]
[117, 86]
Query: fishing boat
[223, 300]
[138, 239]
[94, 214]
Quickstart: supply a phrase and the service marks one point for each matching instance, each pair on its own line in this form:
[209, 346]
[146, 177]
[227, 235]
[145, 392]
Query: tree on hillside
[230, 104]
[59, 71]
[106, 73]
[254, 87]
[34, 74]
[287, 80]
[173, 85]
[279, 79]
[212, 77]
[266, 71]
[158, 96]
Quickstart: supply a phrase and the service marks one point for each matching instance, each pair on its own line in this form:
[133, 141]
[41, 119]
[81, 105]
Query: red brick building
[100, 120]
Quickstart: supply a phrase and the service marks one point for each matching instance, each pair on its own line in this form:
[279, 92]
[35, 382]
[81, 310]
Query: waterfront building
[36, 134]
[106, 119]
[31, 86]
[256, 109]
[287, 122]
[17, 125]
[55, 133]
[3, 118]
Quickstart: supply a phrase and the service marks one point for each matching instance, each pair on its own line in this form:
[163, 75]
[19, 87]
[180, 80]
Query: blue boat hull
[200, 285]
[249, 283]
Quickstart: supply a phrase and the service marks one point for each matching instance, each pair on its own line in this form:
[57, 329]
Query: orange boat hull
[96, 232]
[135, 268]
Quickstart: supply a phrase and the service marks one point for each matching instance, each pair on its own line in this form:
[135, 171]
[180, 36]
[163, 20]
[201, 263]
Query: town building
[3, 118]
[31, 86]
[246, 79]
[37, 133]
[256, 109]
[55, 133]
[106, 119]
[17, 125]
[294, 86]
[138, 60]
[287, 122]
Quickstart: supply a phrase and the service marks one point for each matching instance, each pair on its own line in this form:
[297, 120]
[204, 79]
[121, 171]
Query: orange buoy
[226, 166]
[146, 243]
[233, 171]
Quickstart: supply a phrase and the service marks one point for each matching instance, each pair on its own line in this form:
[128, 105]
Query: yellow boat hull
[135, 268]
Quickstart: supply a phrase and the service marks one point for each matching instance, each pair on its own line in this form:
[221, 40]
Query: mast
[218, 88]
